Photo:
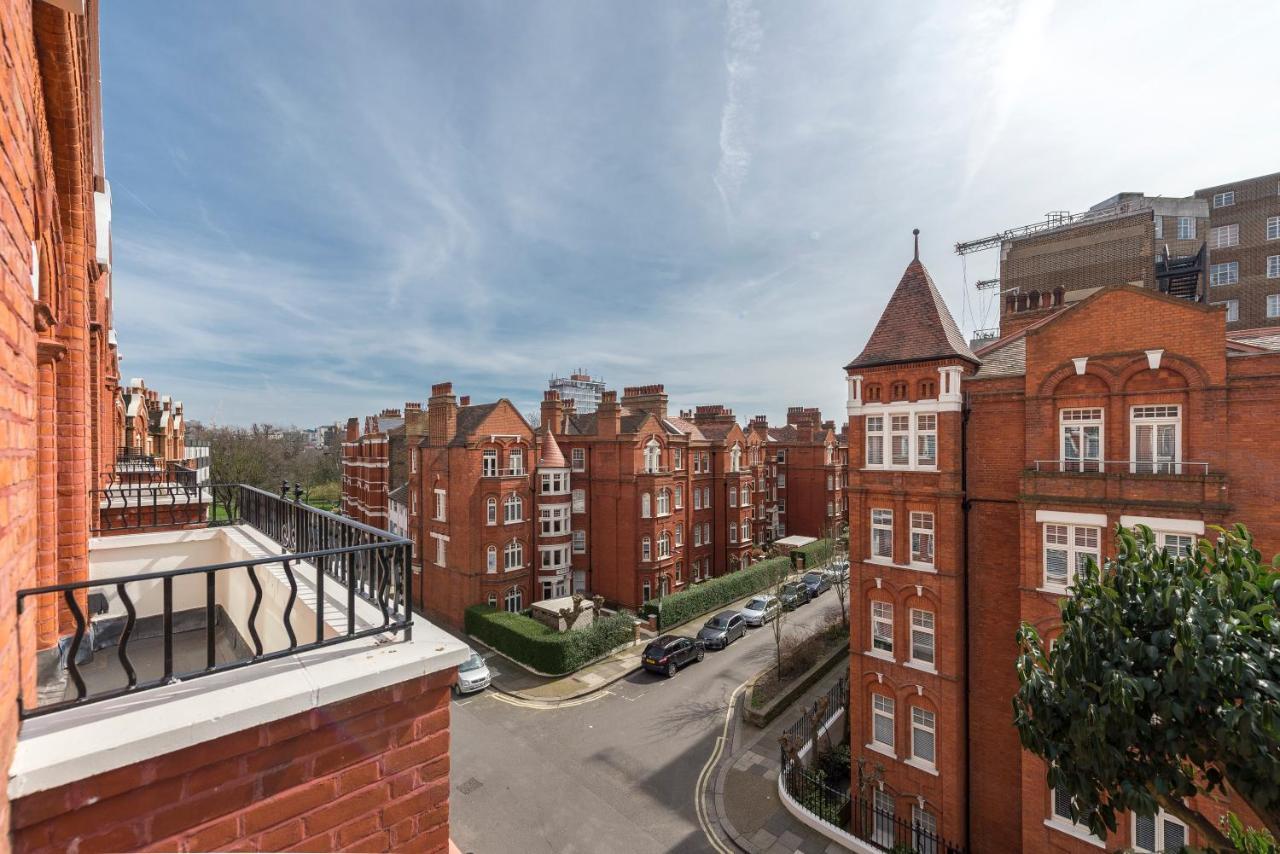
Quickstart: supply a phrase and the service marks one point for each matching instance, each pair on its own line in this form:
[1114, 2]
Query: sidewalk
[744, 800]
[513, 679]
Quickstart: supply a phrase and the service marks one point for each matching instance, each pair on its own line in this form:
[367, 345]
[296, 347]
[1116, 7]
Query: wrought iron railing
[839, 807]
[1181, 467]
[367, 563]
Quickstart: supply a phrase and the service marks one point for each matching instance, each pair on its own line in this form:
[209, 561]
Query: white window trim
[1134, 423]
[932, 534]
[880, 748]
[1063, 424]
[1160, 817]
[1165, 526]
[912, 661]
[1057, 517]
[916, 761]
[1071, 548]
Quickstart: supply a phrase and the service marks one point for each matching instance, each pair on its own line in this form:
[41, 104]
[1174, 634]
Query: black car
[816, 582]
[722, 629]
[794, 594]
[669, 653]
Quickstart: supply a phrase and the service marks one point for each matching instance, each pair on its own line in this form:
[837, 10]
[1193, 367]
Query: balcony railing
[365, 563]
[1121, 467]
[846, 813]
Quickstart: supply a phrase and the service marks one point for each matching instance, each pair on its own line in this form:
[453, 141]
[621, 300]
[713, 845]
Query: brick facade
[1002, 495]
[366, 774]
[1254, 211]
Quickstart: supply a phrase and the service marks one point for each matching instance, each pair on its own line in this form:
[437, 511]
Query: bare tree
[778, 577]
[839, 535]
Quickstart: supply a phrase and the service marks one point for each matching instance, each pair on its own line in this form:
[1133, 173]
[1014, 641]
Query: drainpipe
[965, 505]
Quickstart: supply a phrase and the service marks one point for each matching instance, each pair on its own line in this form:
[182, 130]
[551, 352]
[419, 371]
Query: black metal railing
[366, 563]
[141, 506]
[840, 807]
[134, 456]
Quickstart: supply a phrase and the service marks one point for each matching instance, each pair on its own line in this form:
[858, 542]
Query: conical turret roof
[551, 457]
[915, 326]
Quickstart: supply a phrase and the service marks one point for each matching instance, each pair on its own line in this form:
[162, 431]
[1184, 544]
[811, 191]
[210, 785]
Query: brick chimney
[353, 429]
[442, 414]
[415, 420]
[608, 415]
[759, 422]
[804, 419]
[552, 411]
[465, 400]
[712, 413]
[646, 398]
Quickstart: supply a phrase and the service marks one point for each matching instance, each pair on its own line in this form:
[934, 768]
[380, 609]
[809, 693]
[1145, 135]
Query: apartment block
[196, 689]
[375, 462]
[980, 480]
[1219, 245]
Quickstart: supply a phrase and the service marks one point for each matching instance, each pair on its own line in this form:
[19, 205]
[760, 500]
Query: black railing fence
[839, 807]
[362, 562]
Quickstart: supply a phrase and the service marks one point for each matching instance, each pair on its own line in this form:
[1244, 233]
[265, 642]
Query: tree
[839, 534]
[778, 577]
[1164, 683]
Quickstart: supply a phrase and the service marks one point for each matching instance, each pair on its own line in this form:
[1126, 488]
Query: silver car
[473, 675]
[761, 610]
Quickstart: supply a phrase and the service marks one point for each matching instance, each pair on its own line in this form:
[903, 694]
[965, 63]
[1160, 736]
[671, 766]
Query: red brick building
[149, 755]
[799, 471]
[979, 480]
[375, 461]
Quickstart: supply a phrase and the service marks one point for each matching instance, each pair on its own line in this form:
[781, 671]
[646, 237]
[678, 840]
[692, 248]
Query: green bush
[701, 598]
[529, 642]
[816, 553]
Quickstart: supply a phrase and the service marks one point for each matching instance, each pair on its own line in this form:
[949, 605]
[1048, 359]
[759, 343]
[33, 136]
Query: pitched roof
[551, 457]
[586, 423]
[469, 420]
[915, 326]
[715, 432]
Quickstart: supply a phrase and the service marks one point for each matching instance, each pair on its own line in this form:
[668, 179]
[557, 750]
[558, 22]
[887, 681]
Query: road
[616, 772]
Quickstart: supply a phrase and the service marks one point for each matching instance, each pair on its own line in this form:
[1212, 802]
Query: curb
[717, 793]
[520, 695]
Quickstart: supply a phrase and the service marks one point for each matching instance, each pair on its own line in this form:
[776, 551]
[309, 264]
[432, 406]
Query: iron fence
[368, 563]
[873, 823]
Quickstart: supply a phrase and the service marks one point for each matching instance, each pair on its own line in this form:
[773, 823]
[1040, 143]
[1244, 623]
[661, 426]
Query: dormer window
[652, 456]
[735, 458]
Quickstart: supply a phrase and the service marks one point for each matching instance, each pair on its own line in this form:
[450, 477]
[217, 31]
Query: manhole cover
[469, 785]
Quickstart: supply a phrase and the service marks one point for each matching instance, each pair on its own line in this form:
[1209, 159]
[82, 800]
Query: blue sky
[322, 208]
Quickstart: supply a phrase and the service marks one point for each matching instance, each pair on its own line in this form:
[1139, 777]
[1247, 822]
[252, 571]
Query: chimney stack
[646, 398]
[552, 411]
[442, 414]
[415, 420]
[353, 429]
[465, 400]
[608, 415]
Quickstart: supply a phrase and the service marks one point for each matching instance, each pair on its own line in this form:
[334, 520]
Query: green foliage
[1163, 683]
[1247, 840]
[531, 643]
[816, 553]
[709, 595]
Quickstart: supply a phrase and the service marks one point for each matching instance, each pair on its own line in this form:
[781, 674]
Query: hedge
[816, 553]
[531, 643]
[709, 595]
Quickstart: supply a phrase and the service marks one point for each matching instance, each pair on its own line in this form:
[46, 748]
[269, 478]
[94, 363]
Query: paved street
[615, 772]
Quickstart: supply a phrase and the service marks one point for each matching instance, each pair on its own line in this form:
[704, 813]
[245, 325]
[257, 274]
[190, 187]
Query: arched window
[735, 458]
[652, 455]
[513, 508]
[664, 545]
[830, 452]
[645, 506]
[664, 501]
[872, 392]
[733, 496]
[513, 556]
[680, 534]
[899, 391]
[746, 495]
[514, 600]
[491, 511]
[646, 549]
[928, 390]
[679, 496]
[491, 559]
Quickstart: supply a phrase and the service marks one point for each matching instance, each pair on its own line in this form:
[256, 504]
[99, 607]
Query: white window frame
[646, 506]
[1273, 305]
[1159, 224]
[924, 636]
[664, 502]
[882, 629]
[646, 549]
[697, 498]
[491, 510]
[1063, 822]
[697, 535]
[1076, 543]
[677, 459]
[900, 428]
[513, 556]
[733, 496]
[578, 459]
[441, 506]
[733, 532]
[513, 601]
[926, 424]
[875, 441]
[679, 497]
[922, 532]
[1078, 423]
[1273, 266]
[1225, 199]
[1159, 829]
[924, 725]
[515, 462]
[664, 545]
[1224, 236]
[746, 531]
[1273, 228]
[441, 551]
[652, 456]
[883, 711]
[883, 522]
[1226, 273]
[491, 559]
[489, 462]
[579, 499]
[679, 534]
[706, 498]
[1186, 228]
[1155, 416]
[579, 541]
[512, 502]
[1233, 309]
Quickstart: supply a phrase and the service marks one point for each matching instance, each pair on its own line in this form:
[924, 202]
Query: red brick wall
[366, 774]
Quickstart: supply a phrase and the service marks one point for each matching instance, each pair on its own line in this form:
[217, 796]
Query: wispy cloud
[318, 215]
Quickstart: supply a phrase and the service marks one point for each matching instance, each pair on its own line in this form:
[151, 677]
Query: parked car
[817, 582]
[761, 610]
[473, 675]
[722, 629]
[669, 653]
[794, 594]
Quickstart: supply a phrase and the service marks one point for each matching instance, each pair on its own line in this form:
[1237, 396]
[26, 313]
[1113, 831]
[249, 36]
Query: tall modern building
[581, 388]
[1219, 245]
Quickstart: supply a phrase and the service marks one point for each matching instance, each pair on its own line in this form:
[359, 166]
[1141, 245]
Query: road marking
[548, 705]
[699, 790]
